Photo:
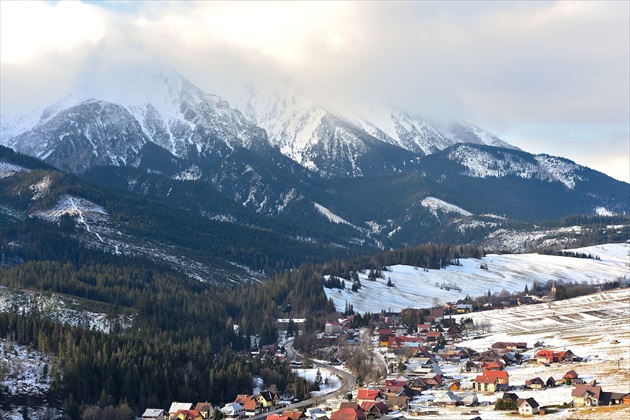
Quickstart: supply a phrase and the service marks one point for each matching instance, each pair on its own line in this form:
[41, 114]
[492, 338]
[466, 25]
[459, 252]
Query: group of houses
[243, 406]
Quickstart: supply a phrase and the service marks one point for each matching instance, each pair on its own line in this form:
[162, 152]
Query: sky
[548, 77]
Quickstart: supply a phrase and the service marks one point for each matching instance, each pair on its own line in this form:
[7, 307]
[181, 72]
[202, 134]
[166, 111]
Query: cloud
[501, 65]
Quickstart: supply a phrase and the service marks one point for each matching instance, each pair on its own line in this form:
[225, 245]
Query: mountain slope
[140, 226]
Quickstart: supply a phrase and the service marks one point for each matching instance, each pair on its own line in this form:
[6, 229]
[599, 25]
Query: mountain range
[282, 162]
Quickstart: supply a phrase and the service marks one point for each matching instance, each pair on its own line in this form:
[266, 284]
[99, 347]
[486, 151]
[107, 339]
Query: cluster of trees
[431, 256]
[182, 344]
[571, 254]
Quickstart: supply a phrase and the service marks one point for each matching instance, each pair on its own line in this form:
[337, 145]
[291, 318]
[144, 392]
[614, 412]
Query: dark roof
[532, 402]
[581, 389]
[509, 396]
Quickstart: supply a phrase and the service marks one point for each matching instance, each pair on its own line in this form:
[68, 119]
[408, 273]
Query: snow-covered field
[416, 288]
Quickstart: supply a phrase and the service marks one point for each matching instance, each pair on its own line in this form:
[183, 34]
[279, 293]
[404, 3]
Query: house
[486, 384]
[374, 408]
[492, 381]
[536, 383]
[205, 409]
[436, 314]
[187, 415]
[469, 399]
[154, 414]
[545, 356]
[611, 398]
[509, 396]
[268, 399]
[567, 357]
[332, 328]
[348, 411]
[399, 381]
[586, 395]
[571, 377]
[527, 406]
[449, 398]
[367, 395]
[176, 406]
[316, 413]
[551, 382]
[397, 402]
[463, 308]
[293, 414]
[249, 403]
[233, 411]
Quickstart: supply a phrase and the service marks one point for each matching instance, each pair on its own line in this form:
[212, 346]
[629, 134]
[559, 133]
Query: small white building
[233, 410]
[527, 406]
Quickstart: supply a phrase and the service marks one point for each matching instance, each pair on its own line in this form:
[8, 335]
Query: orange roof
[294, 415]
[277, 417]
[242, 398]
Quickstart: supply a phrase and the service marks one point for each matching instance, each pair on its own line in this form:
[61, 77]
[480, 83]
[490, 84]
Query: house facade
[527, 407]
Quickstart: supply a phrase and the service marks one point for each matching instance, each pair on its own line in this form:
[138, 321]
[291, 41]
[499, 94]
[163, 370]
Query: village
[455, 365]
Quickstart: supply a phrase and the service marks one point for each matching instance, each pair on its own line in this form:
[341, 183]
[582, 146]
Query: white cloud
[501, 65]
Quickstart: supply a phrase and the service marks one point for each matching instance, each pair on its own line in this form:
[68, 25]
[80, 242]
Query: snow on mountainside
[313, 135]
[435, 204]
[308, 132]
[164, 108]
[465, 132]
[90, 133]
[330, 215]
[499, 164]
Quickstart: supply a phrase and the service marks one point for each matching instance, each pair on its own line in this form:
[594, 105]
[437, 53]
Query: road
[348, 381]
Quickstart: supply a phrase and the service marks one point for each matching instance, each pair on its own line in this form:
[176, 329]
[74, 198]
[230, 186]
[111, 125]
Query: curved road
[348, 382]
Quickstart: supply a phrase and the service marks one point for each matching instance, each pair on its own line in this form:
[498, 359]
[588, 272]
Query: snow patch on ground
[41, 188]
[23, 369]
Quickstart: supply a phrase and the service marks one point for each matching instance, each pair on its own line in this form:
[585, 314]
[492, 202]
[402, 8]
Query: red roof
[499, 374]
[485, 379]
[545, 353]
[570, 375]
[367, 394]
[347, 414]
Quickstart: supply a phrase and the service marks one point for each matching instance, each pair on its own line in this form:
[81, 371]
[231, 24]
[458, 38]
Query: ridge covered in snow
[435, 204]
[499, 164]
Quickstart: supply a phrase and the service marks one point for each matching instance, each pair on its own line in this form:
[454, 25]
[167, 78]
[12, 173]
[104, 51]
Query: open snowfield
[416, 288]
